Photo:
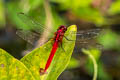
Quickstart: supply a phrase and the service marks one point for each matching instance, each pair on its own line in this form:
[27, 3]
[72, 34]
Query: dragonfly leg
[68, 39]
[62, 47]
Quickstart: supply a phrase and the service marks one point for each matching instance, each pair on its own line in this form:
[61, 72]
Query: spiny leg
[68, 39]
[62, 46]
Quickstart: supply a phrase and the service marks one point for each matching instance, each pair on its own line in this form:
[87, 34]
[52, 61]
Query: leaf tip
[73, 27]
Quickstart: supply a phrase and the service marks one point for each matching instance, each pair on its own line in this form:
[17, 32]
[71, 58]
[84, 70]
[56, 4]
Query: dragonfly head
[64, 28]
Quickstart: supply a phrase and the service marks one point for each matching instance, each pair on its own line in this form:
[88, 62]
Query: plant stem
[94, 62]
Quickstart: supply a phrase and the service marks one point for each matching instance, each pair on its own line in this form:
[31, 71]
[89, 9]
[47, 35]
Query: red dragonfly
[59, 34]
[57, 39]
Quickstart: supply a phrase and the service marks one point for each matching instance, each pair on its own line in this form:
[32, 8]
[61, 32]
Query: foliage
[36, 59]
[11, 68]
[79, 10]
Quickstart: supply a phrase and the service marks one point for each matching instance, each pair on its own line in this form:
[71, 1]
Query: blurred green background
[86, 14]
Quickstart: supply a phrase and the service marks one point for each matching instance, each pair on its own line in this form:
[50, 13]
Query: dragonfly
[57, 39]
[59, 35]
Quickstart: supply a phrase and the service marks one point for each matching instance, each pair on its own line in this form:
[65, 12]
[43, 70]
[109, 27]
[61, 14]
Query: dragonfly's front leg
[62, 46]
[68, 39]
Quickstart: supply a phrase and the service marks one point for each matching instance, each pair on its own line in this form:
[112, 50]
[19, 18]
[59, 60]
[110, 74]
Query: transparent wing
[88, 34]
[83, 37]
[87, 38]
[31, 23]
[34, 29]
[29, 36]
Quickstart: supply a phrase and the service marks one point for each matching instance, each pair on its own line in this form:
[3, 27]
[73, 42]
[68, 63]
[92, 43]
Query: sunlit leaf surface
[12, 69]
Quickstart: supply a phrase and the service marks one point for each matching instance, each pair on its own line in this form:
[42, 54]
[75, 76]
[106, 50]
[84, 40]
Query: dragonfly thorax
[63, 28]
[60, 33]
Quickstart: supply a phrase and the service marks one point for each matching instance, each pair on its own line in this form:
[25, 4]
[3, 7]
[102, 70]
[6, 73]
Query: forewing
[31, 23]
[88, 34]
[87, 38]
[33, 31]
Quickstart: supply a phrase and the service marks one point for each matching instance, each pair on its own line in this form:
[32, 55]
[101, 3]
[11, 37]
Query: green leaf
[13, 69]
[38, 57]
